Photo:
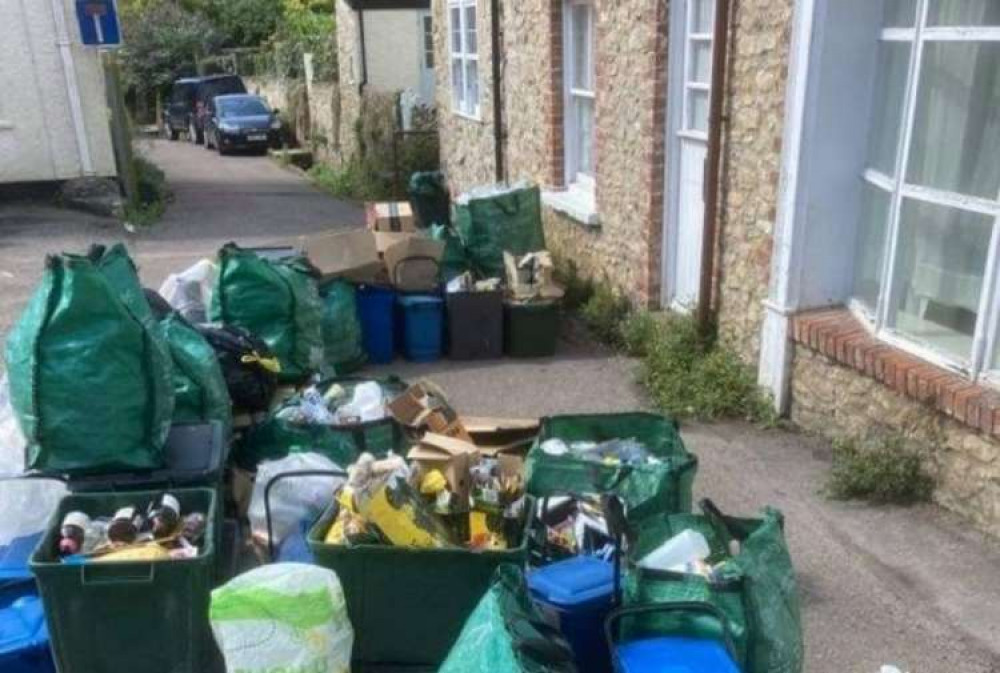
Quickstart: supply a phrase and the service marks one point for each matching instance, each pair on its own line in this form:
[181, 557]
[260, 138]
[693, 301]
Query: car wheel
[222, 151]
[173, 133]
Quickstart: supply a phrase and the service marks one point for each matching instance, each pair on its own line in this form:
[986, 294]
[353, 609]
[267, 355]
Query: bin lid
[22, 625]
[575, 582]
[14, 558]
[675, 655]
[409, 300]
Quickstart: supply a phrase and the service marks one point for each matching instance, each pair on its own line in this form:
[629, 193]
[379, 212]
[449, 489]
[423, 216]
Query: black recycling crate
[475, 325]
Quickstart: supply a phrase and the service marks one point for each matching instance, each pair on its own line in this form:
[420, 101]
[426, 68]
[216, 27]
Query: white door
[426, 58]
[687, 143]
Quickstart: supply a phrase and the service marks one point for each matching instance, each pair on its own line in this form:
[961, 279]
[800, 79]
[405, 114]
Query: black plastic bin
[129, 615]
[475, 325]
[531, 330]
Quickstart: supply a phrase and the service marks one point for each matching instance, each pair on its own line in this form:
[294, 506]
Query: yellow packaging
[480, 534]
[398, 517]
[147, 552]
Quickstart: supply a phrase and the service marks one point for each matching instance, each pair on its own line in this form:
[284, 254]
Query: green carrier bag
[664, 487]
[276, 301]
[90, 374]
[754, 598]
[429, 197]
[277, 437]
[453, 262]
[341, 329]
[507, 633]
[493, 220]
[200, 392]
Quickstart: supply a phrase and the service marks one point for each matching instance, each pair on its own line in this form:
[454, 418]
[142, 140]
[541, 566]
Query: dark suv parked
[187, 108]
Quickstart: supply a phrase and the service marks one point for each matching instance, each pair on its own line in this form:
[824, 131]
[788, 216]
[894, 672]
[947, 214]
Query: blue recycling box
[675, 655]
[579, 592]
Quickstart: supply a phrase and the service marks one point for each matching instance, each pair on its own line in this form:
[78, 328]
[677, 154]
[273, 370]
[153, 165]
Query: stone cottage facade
[866, 294]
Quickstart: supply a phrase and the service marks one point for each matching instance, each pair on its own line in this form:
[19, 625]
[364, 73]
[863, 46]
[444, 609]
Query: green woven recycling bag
[341, 329]
[200, 392]
[276, 301]
[756, 594]
[90, 379]
[494, 220]
[645, 489]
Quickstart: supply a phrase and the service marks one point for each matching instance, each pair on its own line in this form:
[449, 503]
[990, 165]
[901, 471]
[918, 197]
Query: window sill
[576, 204]
[838, 335]
[468, 117]
[6, 126]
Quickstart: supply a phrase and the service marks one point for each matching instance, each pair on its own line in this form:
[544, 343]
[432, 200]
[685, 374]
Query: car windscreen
[242, 107]
[220, 87]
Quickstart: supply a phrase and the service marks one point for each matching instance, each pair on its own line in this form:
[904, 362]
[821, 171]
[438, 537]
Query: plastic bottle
[166, 516]
[686, 547]
[125, 526]
[73, 533]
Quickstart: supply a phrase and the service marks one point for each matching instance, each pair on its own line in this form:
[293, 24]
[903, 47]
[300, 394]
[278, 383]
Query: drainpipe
[498, 134]
[713, 163]
[72, 86]
[364, 52]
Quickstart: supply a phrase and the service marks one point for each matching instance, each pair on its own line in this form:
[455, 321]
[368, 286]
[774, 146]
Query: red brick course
[838, 335]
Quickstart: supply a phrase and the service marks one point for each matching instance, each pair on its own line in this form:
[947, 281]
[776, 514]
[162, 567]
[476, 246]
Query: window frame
[427, 40]
[461, 103]
[571, 132]
[977, 365]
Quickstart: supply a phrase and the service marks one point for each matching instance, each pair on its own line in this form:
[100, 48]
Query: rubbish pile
[392, 529]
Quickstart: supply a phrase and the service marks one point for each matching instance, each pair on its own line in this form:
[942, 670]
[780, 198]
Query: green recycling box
[120, 617]
[662, 487]
[408, 606]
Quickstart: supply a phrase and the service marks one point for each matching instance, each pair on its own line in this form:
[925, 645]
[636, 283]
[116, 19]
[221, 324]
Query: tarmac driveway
[916, 587]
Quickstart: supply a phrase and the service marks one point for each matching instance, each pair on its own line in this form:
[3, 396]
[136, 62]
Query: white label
[170, 502]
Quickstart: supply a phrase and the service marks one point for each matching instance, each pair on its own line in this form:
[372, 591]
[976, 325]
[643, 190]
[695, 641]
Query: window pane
[581, 31]
[900, 13]
[585, 135]
[697, 110]
[887, 105]
[701, 15]
[701, 62]
[963, 13]
[428, 42]
[472, 87]
[471, 45]
[456, 30]
[940, 262]
[457, 84]
[870, 247]
[956, 133]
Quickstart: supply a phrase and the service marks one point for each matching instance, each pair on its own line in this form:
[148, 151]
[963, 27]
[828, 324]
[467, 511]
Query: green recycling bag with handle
[754, 595]
[90, 377]
[200, 392]
[507, 633]
[342, 342]
[661, 486]
[498, 219]
[276, 301]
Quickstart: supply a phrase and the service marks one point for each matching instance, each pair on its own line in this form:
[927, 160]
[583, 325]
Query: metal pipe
[364, 52]
[498, 134]
[72, 86]
[713, 163]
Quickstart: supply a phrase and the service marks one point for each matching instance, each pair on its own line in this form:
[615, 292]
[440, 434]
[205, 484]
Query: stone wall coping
[838, 335]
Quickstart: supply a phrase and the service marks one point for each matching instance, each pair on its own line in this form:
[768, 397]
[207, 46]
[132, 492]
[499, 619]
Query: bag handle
[267, 497]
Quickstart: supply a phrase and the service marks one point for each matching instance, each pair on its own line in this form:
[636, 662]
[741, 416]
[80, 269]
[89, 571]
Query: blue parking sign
[98, 21]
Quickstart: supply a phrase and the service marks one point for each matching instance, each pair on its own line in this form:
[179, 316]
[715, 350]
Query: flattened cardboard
[453, 457]
[496, 436]
[396, 216]
[415, 408]
[341, 254]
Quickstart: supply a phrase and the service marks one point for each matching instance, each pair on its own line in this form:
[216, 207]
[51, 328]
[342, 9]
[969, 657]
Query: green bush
[637, 332]
[605, 312]
[879, 470]
[151, 183]
[577, 287]
[355, 181]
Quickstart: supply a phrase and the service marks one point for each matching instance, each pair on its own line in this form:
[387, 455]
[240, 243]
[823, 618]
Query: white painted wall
[393, 42]
[38, 135]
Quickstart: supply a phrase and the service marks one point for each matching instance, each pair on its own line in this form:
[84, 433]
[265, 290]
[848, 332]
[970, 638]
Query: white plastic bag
[190, 291]
[27, 506]
[12, 441]
[283, 617]
[294, 501]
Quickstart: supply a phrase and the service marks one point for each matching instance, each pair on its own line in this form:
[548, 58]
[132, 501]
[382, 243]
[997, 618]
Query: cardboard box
[424, 406]
[452, 457]
[495, 436]
[414, 263]
[531, 276]
[390, 216]
[350, 254]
